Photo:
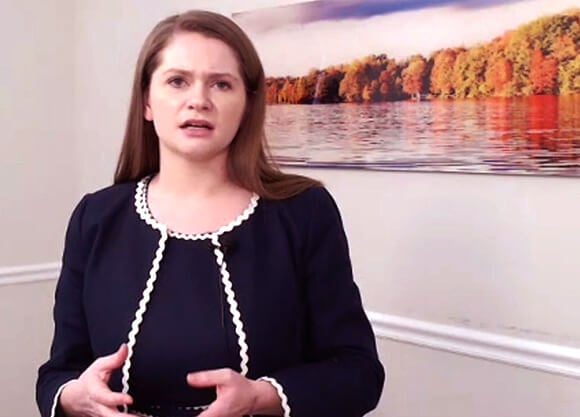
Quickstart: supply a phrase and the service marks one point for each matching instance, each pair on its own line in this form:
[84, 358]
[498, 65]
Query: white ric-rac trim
[141, 310]
[281, 394]
[143, 211]
[57, 397]
[145, 214]
[231, 298]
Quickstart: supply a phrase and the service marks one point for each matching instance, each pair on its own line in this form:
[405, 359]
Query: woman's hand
[90, 396]
[237, 396]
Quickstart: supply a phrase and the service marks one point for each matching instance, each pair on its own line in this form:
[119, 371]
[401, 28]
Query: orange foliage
[543, 73]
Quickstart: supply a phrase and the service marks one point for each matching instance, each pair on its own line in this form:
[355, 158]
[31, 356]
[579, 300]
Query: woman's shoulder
[107, 201]
[98, 209]
[311, 203]
[112, 194]
[310, 198]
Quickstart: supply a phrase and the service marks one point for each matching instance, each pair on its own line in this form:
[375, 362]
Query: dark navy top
[270, 295]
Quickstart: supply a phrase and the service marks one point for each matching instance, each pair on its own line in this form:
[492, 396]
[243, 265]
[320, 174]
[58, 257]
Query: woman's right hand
[90, 396]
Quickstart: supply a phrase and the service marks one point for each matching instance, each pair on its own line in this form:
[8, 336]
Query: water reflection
[531, 135]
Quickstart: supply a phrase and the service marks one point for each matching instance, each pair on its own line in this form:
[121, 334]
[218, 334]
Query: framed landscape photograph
[449, 86]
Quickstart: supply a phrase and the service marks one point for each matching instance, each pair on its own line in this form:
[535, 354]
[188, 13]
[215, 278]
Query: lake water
[533, 135]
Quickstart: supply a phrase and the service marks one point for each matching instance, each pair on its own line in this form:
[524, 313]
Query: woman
[226, 283]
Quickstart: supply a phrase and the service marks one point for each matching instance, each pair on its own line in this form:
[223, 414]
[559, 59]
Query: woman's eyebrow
[213, 74]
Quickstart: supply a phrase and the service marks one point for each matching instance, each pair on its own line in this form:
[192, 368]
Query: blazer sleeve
[342, 376]
[70, 352]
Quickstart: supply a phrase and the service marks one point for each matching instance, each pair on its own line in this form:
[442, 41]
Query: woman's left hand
[237, 395]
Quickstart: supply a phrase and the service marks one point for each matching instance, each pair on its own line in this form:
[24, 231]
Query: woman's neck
[187, 179]
[195, 198]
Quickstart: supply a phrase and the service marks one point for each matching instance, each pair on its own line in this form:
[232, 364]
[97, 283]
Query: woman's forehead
[196, 52]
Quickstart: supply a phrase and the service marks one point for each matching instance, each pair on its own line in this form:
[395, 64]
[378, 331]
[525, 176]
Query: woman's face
[196, 98]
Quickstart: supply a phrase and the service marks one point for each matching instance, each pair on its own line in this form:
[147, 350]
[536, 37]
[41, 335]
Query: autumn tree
[371, 92]
[327, 86]
[566, 50]
[414, 76]
[352, 85]
[519, 55]
[443, 63]
[305, 88]
[286, 94]
[469, 73]
[389, 82]
[272, 90]
[498, 76]
[569, 77]
[543, 73]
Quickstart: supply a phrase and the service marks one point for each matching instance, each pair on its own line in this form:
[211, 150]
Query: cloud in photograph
[293, 39]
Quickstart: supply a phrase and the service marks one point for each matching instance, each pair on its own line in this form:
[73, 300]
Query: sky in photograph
[293, 39]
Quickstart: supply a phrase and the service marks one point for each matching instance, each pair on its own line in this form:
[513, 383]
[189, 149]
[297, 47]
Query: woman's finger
[109, 398]
[104, 411]
[105, 365]
[211, 378]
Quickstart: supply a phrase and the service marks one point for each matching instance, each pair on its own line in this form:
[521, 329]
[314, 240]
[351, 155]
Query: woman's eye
[177, 82]
[223, 85]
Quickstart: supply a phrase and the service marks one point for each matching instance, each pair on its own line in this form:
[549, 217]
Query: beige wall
[490, 253]
[36, 115]
[493, 253]
[26, 328]
[37, 179]
[430, 383]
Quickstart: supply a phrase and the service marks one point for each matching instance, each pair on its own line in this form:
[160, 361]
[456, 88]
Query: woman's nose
[198, 98]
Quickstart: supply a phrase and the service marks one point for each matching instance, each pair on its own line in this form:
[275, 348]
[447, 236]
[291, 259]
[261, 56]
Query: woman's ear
[148, 113]
[147, 110]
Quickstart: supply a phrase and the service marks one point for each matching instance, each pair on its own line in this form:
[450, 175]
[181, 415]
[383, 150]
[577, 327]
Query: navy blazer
[270, 295]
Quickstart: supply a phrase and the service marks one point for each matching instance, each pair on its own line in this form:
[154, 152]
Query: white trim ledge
[541, 356]
[29, 273]
[552, 358]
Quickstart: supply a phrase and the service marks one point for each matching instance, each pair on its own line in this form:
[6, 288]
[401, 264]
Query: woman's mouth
[197, 124]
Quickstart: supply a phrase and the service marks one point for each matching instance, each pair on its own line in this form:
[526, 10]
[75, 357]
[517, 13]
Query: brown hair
[249, 162]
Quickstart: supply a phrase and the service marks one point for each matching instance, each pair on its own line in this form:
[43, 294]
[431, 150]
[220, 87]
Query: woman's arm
[342, 375]
[70, 351]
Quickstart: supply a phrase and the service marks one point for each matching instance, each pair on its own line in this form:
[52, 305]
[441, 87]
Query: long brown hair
[249, 161]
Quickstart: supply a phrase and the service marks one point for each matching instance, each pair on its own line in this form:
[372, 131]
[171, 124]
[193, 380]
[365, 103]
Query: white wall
[431, 383]
[490, 253]
[25, 332]
[37, 180]
[36, 115]
[494, 253]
